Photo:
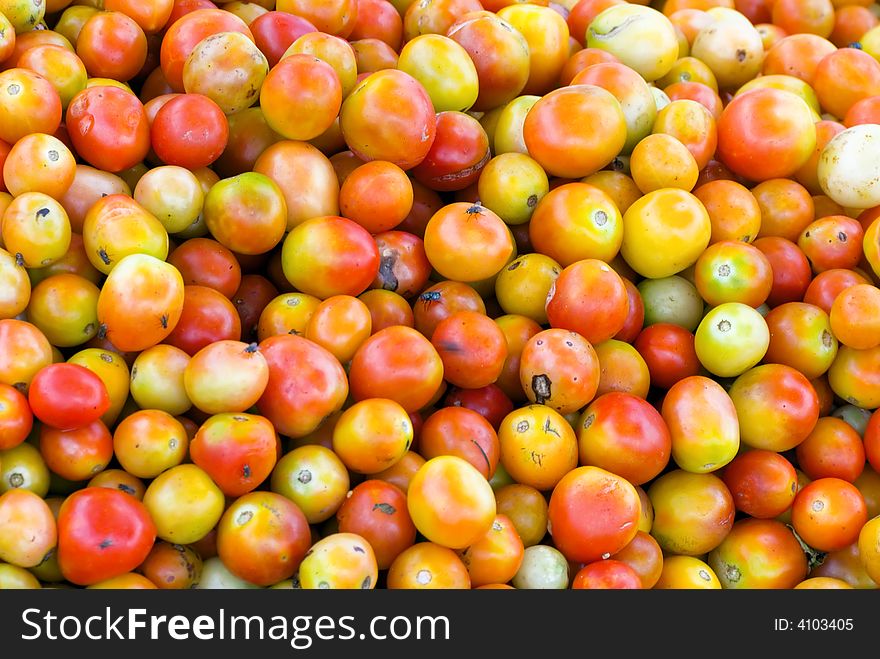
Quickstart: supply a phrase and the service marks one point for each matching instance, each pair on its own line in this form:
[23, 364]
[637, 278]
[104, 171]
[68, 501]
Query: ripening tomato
[828, 514]
[190, 130]
[102, 533]
[427, 565]
[441, 301]
[27, 528]
[801, 337]
[372, 435]
[759, 553]
[592, 514]
[546, 34]
[559, 368]
[472, 348]
[76, 454]
[148, 442]
[140, 302]
[314, 478]
[607, 574]
[776, 405]
[262, 538]
[869, 548]
[450, 502]
[16, 418]
[24, 351]
[238, 451]
[306, 384]
[500, 55]
[184, 503]
[209, 389]
[686, 572]
[497, 556]
[35, 229]
[28, 104]
[731, 338]
[693, 512]
[763, 483]
[668, 352]
[625, 435]
[702, 423]
[207, 316]
[330, 255]
[833, 449]
[397, 363]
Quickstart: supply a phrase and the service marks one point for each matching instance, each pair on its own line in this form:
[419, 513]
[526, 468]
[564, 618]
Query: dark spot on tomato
[541, 387]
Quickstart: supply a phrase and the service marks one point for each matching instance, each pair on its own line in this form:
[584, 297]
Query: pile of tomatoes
[440, 294]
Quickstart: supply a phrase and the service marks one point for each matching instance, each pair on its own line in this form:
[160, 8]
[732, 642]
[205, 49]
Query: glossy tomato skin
[376, 511]
[593, 512]
[262, 538]
[624, 435]
[102, 533]
[306, 384]
[98, 135]
[16, 418]
[458, 154]
[668, 351]
[759, 553]
[238, 451]
[190, 131]
[67, 396]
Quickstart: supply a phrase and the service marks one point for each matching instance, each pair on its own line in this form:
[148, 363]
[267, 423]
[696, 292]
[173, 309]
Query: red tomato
[102, 533]
[607, 574]
[98, 135]
[376, 511]
[16, 418]
[190, 131]
[669, 352]
[593, 514]
[68, 396]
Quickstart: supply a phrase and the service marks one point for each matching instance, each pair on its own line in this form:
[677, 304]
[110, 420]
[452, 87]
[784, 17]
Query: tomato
[112, 45]
[622, 369]
[39, 163]
[157, 379]
[306, 384]
[501, 57]
[208, 389]
[376, 511]
[262, 538]
[763, 483]
[118, 479]
[592, 514]
[148, 442]
[669, 353]
[372, 435]
[801, 337]
[833, 449]
[759, 553]
[22, 467]
[190, 131]
[450, 502]
[377, 195]
[686, 572]
[172, 567]
[731, 271]
[67, 396]
[346, 262]
[28, 104]
[731, 339]
[828, 514]
[441, 301]
[641, 37]
[538, 446]
[559, 368]
[116, 226]
[645, 557]
[869, 548]
[607, 574]
[207, 316]
[665, 232]
[397, 363]
[625, 435]
[776, 405]
[426, 565]
[102, 533]
[791, 270]
[596, 317]
[79, 453]
[35, 229]
[92, 119]
[472, 348]
[733, 210]
[464, 433]
[140, 302]
[184, 503]
[16, 418]
[28, 528]
[16, 285]
[693, 513]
